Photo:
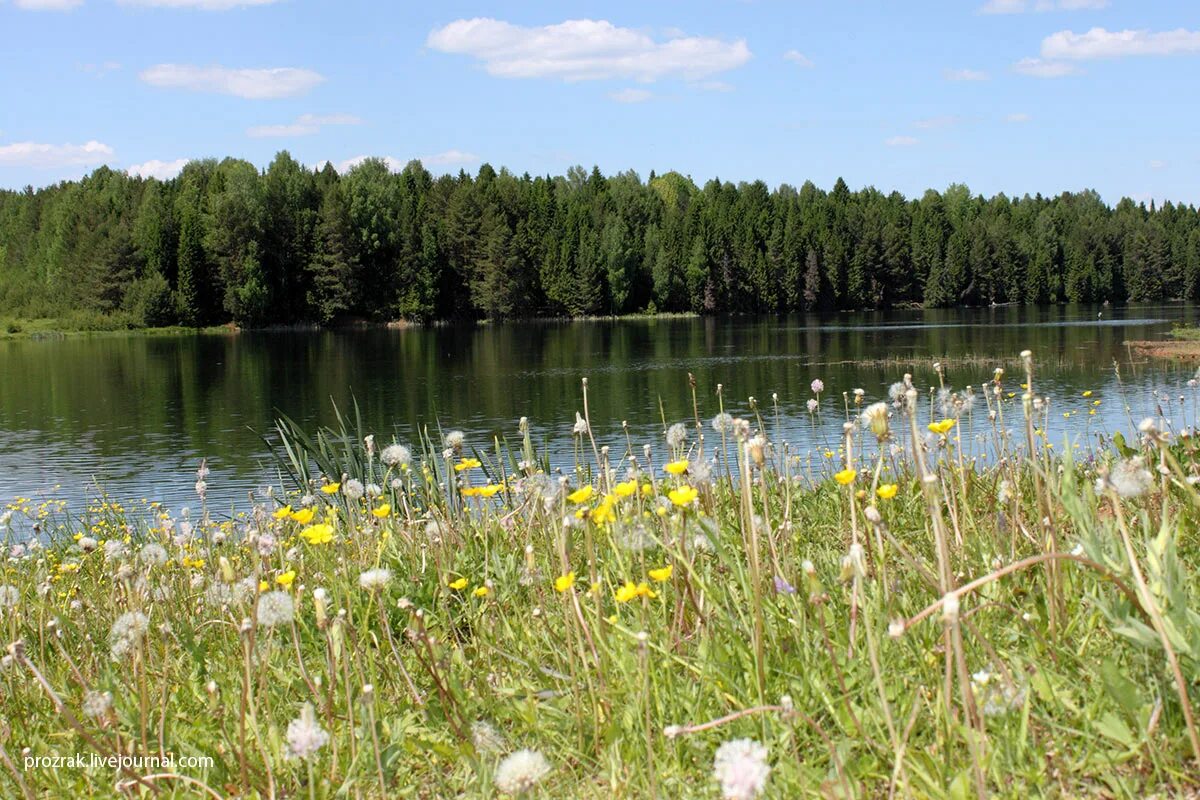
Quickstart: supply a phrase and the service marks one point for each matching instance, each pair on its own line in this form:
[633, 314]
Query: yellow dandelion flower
[286, 579]
[564, 582]
[331, 488]
[481, 591]
[846, 476]
[467, 463]
[663, 573]
[942, 427]
[683, 496]
[318, 534]
[1088, 393]
[263, 586]
[582, 494]
[303, 516]
[282, 513]
[677, 467]
[458, 585]
[627, 488]
[631, 591]
[382, 512]
[887, 491]
[490, 490]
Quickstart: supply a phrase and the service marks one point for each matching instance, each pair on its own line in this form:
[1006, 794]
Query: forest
[227, 242]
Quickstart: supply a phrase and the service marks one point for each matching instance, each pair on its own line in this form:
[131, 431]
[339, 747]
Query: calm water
[134, 415]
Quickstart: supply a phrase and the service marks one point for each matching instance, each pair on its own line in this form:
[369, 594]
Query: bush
[149, 301]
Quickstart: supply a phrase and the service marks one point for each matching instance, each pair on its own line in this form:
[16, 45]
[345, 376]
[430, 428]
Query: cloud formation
[47, 5]
[964, 75]
[1101, 43]
[798, 58]
[304, 125]
[37, 154]
[1041, 6]
[1018, 117]
[163, 170]
[585, 49]
[933, 123]
[1039, 68]
[203, 5]
[630, 95]
[252, 84]
[901, 141]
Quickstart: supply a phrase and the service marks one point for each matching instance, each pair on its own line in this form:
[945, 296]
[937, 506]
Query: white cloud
[585, 49]
[1101, 43]
[714, 86]
[47, 5]
[1021, 6]
[36, 154]
[203, 5]
[163, 170]
[1018, 117]
[964, 75]
[934, 123]
[393, 164]
[253, 84]
[901, 141]
[798, 58]
[630, 95]
[449, 158]
[304, 125]
[1037, 68]
[1157, 164]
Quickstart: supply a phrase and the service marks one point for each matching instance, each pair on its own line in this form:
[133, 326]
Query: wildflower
[96, 704]
[153, 554]
[875, 419]
[331, 488]
[626, 489]
[722, 423]
[887, 491]
[353, 489]
[582, 494]
[580, 427]
[283, 512]
[9, 596]
[676, 467]
[318, 534]
[87, 544]
[467, 463]
[683, 496]
[486, 738]
[603, 514]
[520, 771]
[305, 736]
[114, 549]
[374, 580]
[303, 516]
[564, 582]
[490, 490]
[677, 436]
[481, 591]
[458, 585]
[631, 591]
[127, 633]
[1130, 478]
[942, 427]
[382, 511]
[817, 386]
[286, 579]
[396, 455]
[782, 586]
[740, 767]
[845, 477]
[812, 406]
[454, 440]
[662, 574]
[275, 608]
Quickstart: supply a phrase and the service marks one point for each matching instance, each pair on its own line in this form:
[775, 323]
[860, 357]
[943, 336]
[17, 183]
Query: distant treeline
[225, 241]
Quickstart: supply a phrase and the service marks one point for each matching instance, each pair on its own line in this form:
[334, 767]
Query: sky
[1013, 96]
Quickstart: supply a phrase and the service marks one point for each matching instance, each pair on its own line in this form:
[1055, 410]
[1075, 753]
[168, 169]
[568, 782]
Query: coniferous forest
[225, 241]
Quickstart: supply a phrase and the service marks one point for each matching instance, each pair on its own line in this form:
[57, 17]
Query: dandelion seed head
[454, 440]
[740, 767]
[275, 608]
[396, 455]
[722, 423]
[374, 580]
[96, 704]
[305, 736]
[9, 596]
[153, 554]
[520, 771]
[677, 436]
[1130, 478]
[486, 738]
[354, 489]
[127, 633]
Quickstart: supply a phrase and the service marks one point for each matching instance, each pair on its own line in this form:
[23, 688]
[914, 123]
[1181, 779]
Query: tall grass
[710, 614]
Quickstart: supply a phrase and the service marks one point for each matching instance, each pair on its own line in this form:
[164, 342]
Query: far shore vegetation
[225, 242]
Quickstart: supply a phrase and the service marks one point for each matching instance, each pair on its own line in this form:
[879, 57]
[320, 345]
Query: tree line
[225, 241]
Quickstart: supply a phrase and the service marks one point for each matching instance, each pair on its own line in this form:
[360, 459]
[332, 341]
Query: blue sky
[1005, 95]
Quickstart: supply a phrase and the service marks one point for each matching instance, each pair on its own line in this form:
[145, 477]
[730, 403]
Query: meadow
[941, 604]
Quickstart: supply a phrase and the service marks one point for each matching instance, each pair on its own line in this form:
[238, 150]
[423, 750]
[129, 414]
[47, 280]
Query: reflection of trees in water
[150, 400]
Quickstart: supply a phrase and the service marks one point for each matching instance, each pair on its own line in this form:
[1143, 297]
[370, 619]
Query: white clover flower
[353, 489]
[374, 580]
[740, 767]
[96, 704]
[677, 436]
[153, 554]
[127, 632]
[812, 405]
[520, 771]
[396, 455]
[817, 386]
[275, 608]
[305, 736]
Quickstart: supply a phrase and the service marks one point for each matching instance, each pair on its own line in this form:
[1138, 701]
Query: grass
[87, 324]
[892, 618]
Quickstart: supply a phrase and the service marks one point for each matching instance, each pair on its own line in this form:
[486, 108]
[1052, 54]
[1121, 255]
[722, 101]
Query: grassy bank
[706, 615]
[91, 325]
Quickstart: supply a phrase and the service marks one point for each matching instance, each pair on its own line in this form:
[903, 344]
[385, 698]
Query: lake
[134, 414]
